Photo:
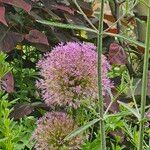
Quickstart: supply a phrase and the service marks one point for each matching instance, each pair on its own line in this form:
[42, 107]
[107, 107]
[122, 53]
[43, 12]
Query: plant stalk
[144, 82]
[99, 70]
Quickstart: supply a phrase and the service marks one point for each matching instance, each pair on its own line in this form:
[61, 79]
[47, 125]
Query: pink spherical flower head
[69, 74]
[51, 131]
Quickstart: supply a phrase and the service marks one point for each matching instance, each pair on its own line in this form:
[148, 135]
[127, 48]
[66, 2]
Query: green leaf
[132, 110]
[94, 145]
[66, 26]
[80, 129]
[3, 140]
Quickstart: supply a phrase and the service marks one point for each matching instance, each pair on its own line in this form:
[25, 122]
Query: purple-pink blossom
[51, 131]
[69, 74]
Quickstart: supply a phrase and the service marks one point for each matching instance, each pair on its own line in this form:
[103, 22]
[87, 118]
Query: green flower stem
[144, 82]
[99, 69]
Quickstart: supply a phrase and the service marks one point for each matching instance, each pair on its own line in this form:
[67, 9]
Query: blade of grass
[99, 70]
[125, 38]
[144, 82]
[66, 26]
[76, 27]
[81, 129]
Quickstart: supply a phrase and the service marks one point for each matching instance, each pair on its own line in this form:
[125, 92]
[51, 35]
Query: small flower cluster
[70, 74]
[52, 129]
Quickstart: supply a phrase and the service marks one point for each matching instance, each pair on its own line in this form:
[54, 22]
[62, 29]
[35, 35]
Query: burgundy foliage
[8, 82]
[36, 36]
[117, 55]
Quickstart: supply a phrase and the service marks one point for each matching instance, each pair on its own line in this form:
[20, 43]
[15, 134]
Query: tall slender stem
[99, 69]
[144, 82]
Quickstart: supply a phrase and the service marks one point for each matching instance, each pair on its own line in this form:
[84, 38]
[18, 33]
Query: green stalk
[99, 69]
[127, 6]
[144, 82]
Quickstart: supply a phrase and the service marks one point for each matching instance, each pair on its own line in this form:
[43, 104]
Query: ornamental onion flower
[52, 129]
[69, 74]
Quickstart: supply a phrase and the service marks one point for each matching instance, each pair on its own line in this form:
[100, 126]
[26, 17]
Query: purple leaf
[2, 16]
[117, 55]
[114, 107]
[21, 110]
[18, 3]
[36, 36]
[8, 82]
[8, 40]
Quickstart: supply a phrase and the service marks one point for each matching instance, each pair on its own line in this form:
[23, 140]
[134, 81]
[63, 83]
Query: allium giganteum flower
[69, 74]
[52, 129]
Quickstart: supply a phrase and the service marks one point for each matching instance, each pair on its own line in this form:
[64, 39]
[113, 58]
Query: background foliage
[28, 28]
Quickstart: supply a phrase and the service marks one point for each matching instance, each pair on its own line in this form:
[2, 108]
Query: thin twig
[114, 100]
[119, 18]
[84, 15]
